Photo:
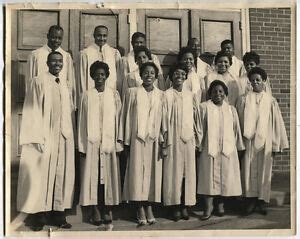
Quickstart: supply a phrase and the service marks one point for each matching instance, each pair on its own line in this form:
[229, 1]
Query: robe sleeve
[71, 80]
[237, 130]
[279, 136]
[240, 107]
[126, 120]
[31, 130]
[31, 70]
[202, 125]
[83, 72]
[197, 122]
[119, 145]
[82, 123]
[157, 63]
[119, 70]
[164, 124]
[125, 86]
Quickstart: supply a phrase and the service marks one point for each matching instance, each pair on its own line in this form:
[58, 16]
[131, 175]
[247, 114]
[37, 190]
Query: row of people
[125, 70]
[160, 133]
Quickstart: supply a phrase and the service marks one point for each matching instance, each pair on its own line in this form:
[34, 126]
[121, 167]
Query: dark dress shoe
[205, 217]
[262, 208]
[65, 225]
[185, 213]
[250, 207]
[176, 215]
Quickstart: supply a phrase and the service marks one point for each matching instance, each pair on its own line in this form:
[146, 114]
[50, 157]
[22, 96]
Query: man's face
[55, 64]
[195, 44]
[139, 41]
[100, 36]
[228, 48]
[55, 38]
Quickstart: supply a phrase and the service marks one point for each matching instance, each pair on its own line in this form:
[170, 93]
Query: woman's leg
[220, 206]
[208, 201]
[141, 216]
[149, 213]
[184, 208]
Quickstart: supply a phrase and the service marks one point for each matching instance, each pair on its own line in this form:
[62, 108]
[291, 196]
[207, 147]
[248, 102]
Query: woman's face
[148, 76]
[99, 77]
[217, 95]
[141, 58]
[249, 65]
[179, 76]
[257, 83]
[223, 64]
[188, 60]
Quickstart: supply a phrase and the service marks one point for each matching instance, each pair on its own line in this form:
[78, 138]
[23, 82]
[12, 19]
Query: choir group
[209, 130]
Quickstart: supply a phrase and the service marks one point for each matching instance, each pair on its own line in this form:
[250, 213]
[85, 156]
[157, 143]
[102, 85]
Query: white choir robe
[37, 64]
[231, 81]
[256, 166]
[203, 68]
[110, 56]
[46, 179]
[98, 167]
[180, 163]
[143, 177]
[219, 175]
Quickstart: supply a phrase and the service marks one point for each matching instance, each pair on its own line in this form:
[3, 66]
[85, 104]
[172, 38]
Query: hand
[164, 153]
[39, 147]
[82, 155]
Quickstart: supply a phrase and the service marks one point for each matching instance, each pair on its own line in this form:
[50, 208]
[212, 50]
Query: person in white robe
[97, 141]
[37, 61]
[223, 62]
[193, 83]
[179, 169]
[141, 133]
[237, 67]
[133, 79]
[218, 168]
[100, 51]
[138, 39]
[251, 59]
[264, 136]
[202, 67]
[47, 168]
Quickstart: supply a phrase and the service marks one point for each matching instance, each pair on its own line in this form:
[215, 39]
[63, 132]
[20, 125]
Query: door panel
[212, 27]
[166, 32]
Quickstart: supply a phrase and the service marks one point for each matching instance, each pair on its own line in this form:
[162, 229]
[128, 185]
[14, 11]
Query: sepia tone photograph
[157, 119]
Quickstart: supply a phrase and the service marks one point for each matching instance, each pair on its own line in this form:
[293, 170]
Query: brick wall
[270, 37]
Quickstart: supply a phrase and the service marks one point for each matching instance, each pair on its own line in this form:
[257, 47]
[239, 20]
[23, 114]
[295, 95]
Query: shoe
[185, 213]
[176, 215]
[109, 227]
[262, 207]
[205, 217]
[38, 221]
[141, 221]
[65, 225]
[250, 206]
[95, 218]
[150, 217]
[220, 209]
[37, 228]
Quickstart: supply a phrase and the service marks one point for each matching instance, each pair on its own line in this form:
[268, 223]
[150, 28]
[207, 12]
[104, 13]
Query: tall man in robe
[100, 51]
[46, 174]
[37, 60]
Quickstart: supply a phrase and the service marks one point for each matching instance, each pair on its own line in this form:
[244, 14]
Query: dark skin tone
[55, 38]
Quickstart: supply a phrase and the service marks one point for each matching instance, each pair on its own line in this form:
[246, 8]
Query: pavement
[278, 217]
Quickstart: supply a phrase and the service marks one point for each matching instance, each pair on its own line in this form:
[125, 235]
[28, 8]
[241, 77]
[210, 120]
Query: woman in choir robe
[223, 61]
[141, 133]
[179, 169]
[133, 79]
[264, 135]
[97, 141]
[218, 171]
[251, 59]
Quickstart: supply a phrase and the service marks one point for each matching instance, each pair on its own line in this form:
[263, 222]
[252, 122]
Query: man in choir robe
[129, 63]
[264, 135]
[46, 174]
[237, 67]
[37, 61]
[202, 68]
[100, 51]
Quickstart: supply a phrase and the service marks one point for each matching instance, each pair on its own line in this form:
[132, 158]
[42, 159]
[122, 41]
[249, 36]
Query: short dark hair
[215, 83]
[55, 28]
[221, 54]
[227, 41]
[99, 65]
[176, 66]
[251, 56]
[137, 35]
[185, 50]
[258, 70]
[149, 63]
[139, 49]
[191, 40]
[100, 26]
[53, 53]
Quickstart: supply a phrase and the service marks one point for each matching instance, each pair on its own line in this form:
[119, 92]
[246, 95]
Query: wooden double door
[166, 30]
